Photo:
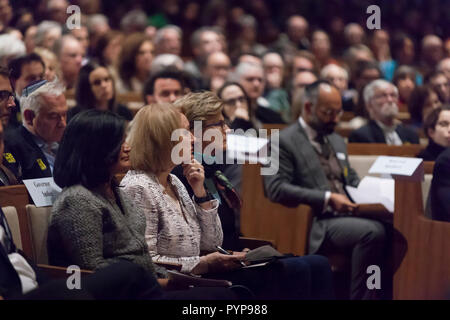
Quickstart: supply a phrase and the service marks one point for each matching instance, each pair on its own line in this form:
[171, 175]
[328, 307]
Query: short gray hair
[43, 28]
[369, 90]
[241, 70]
[165, 60]
[95, 20]
[325, 70]
[34, 102]
[11, 46]
[160, 33]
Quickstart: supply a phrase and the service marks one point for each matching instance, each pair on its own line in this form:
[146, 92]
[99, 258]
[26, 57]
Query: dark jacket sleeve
[279, 187]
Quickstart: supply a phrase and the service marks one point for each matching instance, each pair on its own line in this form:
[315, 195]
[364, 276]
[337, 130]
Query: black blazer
[27, 153]
[372, 133]
[440, 188]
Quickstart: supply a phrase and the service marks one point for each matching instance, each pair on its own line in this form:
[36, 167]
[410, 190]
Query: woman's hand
[195, 175]
[218, 262]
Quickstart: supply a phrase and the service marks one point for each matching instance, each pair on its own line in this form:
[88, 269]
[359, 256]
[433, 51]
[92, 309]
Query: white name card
[401, 166]
[43, 191]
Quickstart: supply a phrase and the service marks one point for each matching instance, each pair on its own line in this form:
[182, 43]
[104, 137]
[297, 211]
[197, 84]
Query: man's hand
[341, 203]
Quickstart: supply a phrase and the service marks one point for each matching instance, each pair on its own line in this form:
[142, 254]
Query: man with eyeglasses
[35, 143]
[381, 100]
[10, 170]
[314, 170]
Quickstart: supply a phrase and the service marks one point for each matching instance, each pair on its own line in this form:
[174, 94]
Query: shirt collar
[310, 132]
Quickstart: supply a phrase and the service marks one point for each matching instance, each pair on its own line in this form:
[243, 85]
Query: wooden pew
[17, 196]
[425, 270]
[406, 150]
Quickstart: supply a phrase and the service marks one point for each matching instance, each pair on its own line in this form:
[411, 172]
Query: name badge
[340, 156]
[41, 164]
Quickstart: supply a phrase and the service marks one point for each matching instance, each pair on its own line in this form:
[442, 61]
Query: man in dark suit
[381, 98]
[314, 170]
[440, 188]
[35, 143]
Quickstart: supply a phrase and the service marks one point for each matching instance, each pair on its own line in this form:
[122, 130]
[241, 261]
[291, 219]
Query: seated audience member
[52, 67]
[25, 70]
[20, 279]
[303, 60]
[364, 73]
[437, 129]
[94, 224]
[10, 170]
[179, 226]
[338, 76]
[70, 54]
[168, 40]
[235, 106]
[165, 86]
[204, 41]
[10, 48]
[444, 67]
[7, 97]
[47, 34]
[440, 188]
[314, 170]
[95, 90]
[166, 60]
[423, 100]
[275, 94]
[85, 217]
[107, 50]
[405, 81]
[381, 100]
[299, 82]
[216, 70]
[35, 143]
[439, 82]
[251, 77]
[134, 63]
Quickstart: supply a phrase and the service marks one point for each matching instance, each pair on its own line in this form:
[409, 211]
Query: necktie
[325, 147]
[227, 190]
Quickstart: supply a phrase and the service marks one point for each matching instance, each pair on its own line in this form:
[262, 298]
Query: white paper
[395, 165]
[374, 190]
[43, 191]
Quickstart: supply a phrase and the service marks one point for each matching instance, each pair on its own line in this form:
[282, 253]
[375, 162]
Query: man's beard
[389, 110]
[321, 127]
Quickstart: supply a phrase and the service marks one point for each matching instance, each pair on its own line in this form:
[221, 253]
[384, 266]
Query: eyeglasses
[6, 95]
[232, 102]
[331, 113]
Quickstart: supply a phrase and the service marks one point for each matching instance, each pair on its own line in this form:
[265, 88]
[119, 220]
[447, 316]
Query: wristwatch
[206, 198]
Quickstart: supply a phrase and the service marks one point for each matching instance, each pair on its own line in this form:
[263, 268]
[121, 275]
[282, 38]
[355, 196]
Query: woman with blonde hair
[179, 227]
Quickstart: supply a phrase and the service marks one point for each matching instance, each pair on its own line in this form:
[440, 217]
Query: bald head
[218, 64]
[322, 107]
[432, 49]
[297, 28]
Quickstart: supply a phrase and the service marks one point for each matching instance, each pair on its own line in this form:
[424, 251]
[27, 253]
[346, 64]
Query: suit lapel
[376, 132]
[41, 159]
